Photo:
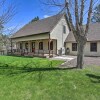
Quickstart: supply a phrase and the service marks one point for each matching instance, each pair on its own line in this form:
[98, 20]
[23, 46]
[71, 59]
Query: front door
[33, 46]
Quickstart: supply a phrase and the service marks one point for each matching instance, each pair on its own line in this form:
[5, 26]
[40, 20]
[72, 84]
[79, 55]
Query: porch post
[49, 45]
[29, 46]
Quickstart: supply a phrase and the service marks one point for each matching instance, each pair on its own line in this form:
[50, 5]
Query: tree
[6, 14]
[35, 19]
[96, 14]
[4, 41]
[75, 11]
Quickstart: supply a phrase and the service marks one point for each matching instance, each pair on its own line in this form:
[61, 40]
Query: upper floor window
[93, 47]
[74, 46]
[64, 29]
[40, 45]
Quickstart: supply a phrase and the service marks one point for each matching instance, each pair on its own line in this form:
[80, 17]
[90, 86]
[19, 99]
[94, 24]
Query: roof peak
[41, 26]
[50, 17]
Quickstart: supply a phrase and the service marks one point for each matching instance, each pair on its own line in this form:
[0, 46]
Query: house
[92, 47]
[52, 36]
[43, 37]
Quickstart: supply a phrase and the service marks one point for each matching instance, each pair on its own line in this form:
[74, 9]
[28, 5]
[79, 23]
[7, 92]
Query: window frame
[26, 46]
[74, 46]
[93, 48]
[40, 45]
[64, 29]
[51, 45]
[21, 46]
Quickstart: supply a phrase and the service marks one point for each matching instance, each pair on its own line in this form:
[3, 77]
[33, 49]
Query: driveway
[71, 61]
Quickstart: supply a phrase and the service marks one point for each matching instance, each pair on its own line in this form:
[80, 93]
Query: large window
[40, 45]
[51, 45]
[74, 46]
[64, 29]
[93, 47]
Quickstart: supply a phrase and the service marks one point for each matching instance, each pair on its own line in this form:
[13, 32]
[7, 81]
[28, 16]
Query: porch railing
[24, 52]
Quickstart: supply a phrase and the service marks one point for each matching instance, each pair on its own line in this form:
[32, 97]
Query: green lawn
[37, 79]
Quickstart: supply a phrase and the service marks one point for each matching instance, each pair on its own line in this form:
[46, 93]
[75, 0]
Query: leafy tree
[96, 14]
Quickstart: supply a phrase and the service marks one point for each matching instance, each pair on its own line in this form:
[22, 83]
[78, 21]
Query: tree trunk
[80, 55]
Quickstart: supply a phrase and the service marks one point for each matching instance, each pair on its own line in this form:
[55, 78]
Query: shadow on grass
[94, 78]
[13, 70]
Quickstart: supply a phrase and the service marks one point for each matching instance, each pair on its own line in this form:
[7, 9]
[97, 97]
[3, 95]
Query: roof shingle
[93, 34]
[37, 27]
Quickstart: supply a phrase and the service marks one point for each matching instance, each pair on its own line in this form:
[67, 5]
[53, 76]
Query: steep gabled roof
[38, 27]
[93, 34]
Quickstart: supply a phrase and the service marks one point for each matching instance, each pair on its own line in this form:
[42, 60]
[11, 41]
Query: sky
[26, 10]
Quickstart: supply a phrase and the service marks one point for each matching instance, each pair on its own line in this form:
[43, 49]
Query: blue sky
[26, 11]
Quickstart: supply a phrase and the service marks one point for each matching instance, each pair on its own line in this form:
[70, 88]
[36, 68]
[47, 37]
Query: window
[51, 45]
[21, 46]
[74, 46]
[93, 47]
[64, 29]
[40, 45]
[33, 46]
[26, 46]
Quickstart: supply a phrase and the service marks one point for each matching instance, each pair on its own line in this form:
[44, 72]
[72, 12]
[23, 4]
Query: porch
[41, 48]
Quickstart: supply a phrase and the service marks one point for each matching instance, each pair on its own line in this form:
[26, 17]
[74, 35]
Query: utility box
[63, 50]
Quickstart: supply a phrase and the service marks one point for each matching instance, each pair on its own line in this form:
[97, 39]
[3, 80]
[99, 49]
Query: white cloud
[46, 16]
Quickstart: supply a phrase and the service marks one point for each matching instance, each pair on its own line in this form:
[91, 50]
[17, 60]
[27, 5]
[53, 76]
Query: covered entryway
[37, 47]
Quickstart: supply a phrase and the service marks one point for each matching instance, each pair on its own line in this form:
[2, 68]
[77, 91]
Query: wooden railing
[24, 52]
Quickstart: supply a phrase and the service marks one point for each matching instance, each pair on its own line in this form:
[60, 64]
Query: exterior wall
[57, 33]
[69, 45]
[87, 51]
[34, 37]
[45, 46]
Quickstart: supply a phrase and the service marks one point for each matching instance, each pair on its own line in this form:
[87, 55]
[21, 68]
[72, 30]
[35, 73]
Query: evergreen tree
[35, 19]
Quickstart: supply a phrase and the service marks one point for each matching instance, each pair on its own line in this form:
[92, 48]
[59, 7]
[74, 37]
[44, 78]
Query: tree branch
[76, 14]
[89, 17]
[82, 11]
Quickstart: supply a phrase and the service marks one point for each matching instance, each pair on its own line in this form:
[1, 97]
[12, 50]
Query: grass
[32, 79]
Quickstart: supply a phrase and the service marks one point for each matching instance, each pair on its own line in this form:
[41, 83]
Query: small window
[93, 47]
[40, 45]
[74, 46]
[51, 45]
[26, 46]
[64, 29]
